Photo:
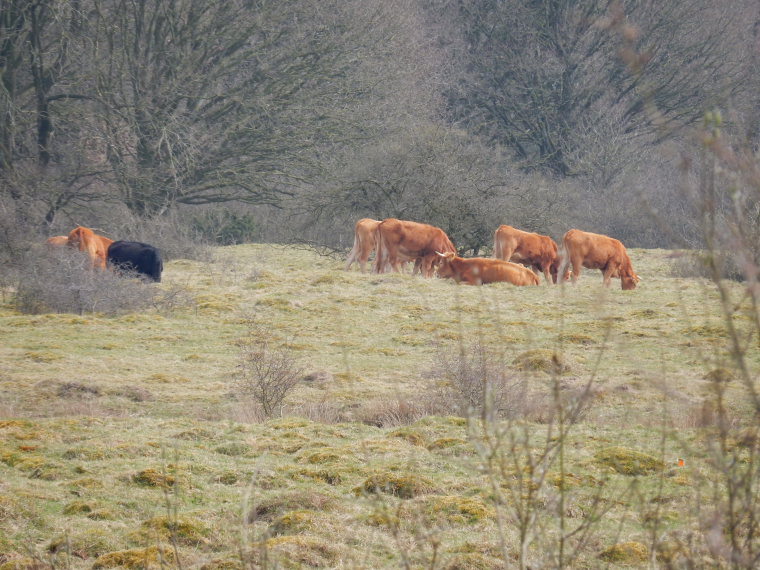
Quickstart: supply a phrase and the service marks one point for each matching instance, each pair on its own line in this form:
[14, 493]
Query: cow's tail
[564, 261]
[353, 257]
[497, 248]
[381, 252]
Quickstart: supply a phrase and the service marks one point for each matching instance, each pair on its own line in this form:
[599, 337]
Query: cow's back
[141, 257]
[403, 240]
[594, 250]
[84, 239]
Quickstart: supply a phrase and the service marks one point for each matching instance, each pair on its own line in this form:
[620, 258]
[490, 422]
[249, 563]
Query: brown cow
[57, 241]
[399, 241]
[482, 270]
[532, 250]
[364, 243]
[596, 251]
[84, 239]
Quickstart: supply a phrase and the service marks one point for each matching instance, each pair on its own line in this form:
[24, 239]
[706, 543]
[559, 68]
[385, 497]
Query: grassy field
[124, 441]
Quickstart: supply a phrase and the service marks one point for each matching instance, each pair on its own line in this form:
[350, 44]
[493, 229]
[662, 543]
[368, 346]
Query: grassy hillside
[125, 442]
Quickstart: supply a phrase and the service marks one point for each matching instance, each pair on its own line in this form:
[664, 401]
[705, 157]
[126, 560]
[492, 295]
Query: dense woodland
[262, 120]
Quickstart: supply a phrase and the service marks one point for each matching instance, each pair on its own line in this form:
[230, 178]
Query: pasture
[123, 442]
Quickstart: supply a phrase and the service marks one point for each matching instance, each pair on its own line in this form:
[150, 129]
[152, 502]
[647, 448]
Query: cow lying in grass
[482, 270]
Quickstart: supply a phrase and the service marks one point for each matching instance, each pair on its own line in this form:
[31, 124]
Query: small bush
[224, 227]
[476, 379]
[690, 264]
[170, 233]
[61, 280]
[265, 373]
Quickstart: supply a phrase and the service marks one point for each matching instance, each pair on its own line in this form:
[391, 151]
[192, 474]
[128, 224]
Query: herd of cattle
[397, 242]
[400, 241]
[127, 256]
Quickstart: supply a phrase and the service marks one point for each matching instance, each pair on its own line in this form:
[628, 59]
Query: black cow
[136, 256]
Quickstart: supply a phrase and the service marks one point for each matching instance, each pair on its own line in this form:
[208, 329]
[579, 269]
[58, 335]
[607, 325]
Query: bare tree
[543, 77]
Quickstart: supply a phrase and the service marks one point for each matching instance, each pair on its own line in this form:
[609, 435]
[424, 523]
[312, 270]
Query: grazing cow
[84, 239]
[57, 241]
[532, 250]
[399, 241]
[482, 270]
[596, 251]
[135, 256]
[364, 243]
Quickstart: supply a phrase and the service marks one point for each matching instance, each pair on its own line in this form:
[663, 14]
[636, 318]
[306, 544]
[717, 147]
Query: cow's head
[444, 268]
[629, 280]
[554, 270]
[77, 237]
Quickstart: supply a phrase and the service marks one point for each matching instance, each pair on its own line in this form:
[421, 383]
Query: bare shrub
[698, 264]
[394, 412]
[171, 297]
[266, 373]
[171, 233]
[476, 379]
[60, 280]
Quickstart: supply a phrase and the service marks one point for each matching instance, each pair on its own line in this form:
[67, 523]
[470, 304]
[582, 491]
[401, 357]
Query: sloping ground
[77, 490]
[125, 443]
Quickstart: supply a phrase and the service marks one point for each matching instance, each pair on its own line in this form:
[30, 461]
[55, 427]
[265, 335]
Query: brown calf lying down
[482, 270]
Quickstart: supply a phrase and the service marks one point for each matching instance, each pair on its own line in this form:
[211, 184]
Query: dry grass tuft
[626, 553]
[185, 529]
[302, 550]
[628, 461]
[541, 360]
[404, 486]
[293, 522]
[153, 478]
[136, 558]
[272, 507]
[451, 509]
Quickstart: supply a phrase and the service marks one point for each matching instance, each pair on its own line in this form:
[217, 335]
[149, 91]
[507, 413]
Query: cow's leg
[607, 274]
[363, 259]
[577, 264]
[427, 266]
